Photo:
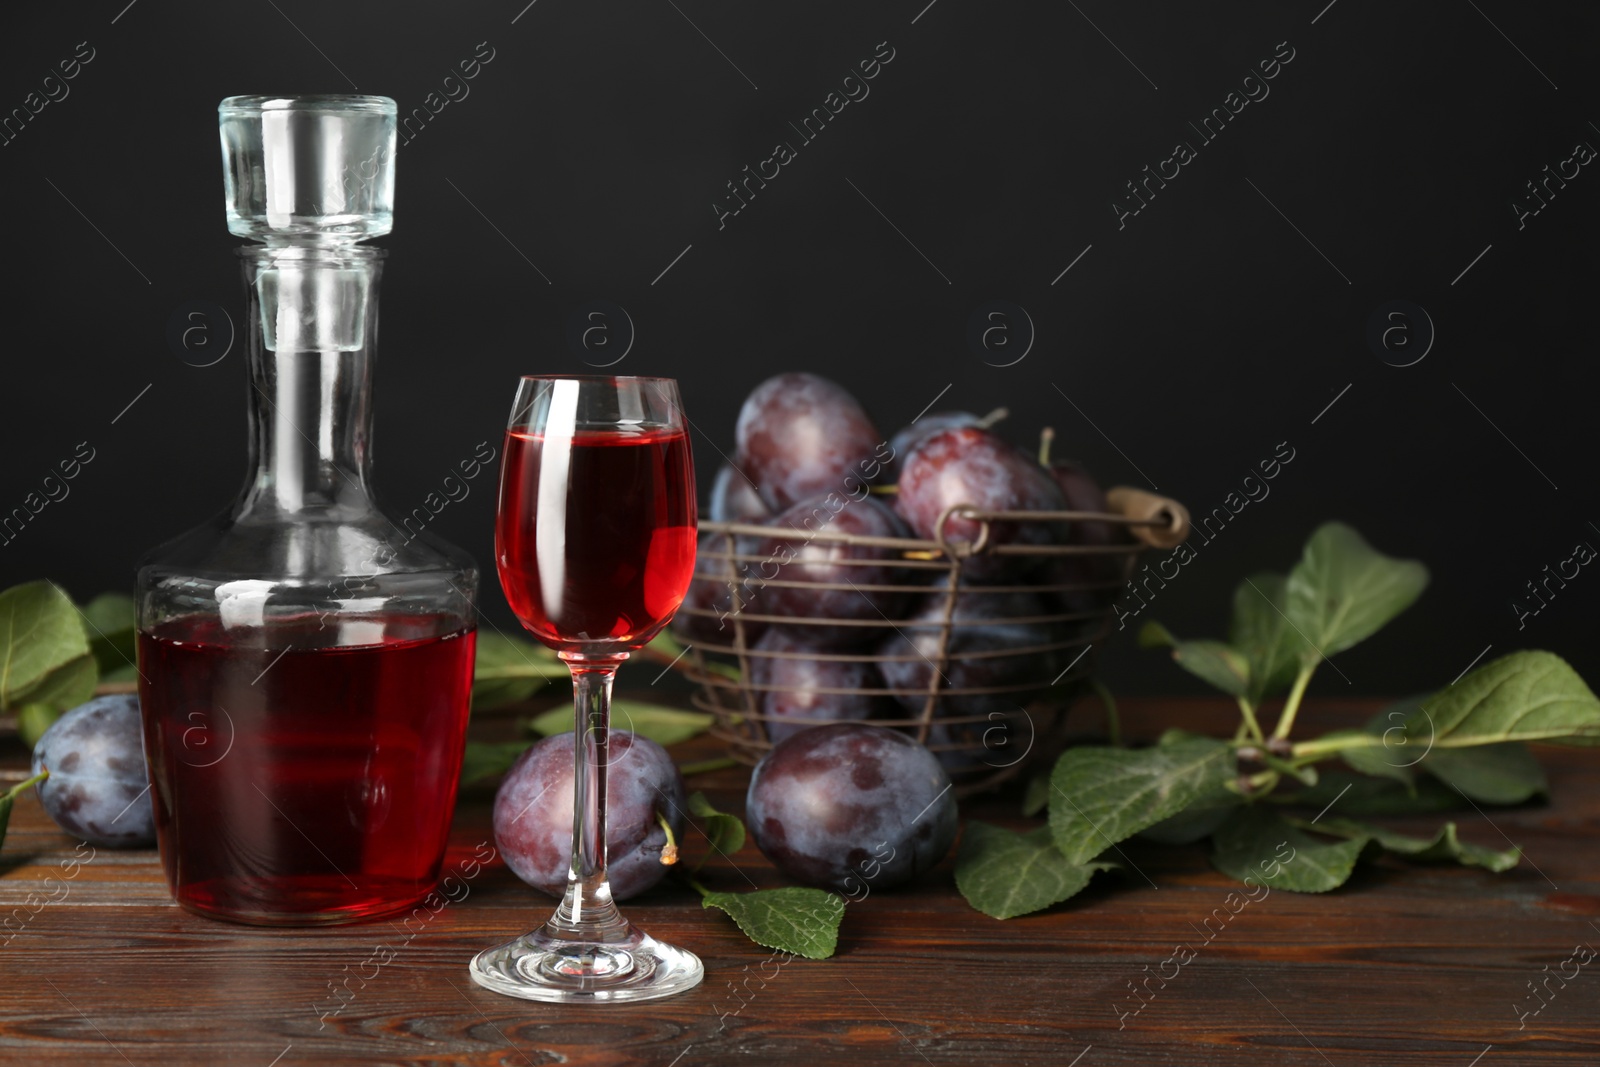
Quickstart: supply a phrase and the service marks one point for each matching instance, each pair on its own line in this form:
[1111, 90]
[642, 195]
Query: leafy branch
[1421, 755]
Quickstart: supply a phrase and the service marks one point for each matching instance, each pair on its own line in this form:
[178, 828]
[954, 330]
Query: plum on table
[851, 807]
[98, 787]
[533, 813]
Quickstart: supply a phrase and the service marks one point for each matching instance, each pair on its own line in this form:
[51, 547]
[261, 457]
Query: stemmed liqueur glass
[595, 544]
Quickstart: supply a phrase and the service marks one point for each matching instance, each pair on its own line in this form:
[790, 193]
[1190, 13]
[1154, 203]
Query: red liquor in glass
[595, 537]
[297, 779]
[595, 544]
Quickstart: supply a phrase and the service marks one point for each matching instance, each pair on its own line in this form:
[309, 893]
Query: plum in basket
[973, 466]
[791, 553]
[800, 435]
[800, 680]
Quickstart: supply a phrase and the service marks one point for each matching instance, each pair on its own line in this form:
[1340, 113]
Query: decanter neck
[312, 313]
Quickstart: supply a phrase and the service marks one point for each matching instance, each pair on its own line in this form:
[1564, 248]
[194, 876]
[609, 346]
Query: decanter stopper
[317, 168]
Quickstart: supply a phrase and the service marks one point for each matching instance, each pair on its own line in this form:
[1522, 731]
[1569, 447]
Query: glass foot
[539, 966]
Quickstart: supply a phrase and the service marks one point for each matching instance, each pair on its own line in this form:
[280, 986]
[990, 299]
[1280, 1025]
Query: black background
[596, 140]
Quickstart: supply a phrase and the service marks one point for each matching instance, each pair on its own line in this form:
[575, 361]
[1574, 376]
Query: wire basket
[979, 750]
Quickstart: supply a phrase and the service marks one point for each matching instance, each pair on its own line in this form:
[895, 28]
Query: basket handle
[1171, 518]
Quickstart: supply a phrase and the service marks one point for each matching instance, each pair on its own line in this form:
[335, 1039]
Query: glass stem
[587, 910]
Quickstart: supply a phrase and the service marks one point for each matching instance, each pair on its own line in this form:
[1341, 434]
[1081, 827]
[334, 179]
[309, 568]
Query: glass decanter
[306, 661]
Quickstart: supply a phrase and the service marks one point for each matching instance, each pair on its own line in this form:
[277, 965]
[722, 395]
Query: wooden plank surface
[1404, 965]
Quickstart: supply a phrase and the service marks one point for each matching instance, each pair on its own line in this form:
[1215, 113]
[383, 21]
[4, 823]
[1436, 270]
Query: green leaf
[664, 726]
[725, 832]
[485, 759]
[727, 670]
[1343, 591]
[1154, 635]
[1377, 796]
[111, 625]
[39, 632]
[706, 766]
[1191, 825]
[125, 673]
[667, 645]
[797, 920]
[1100, 796]
[1172, 735]
[1304, 775]
[1526, 696]
[34, 719]
[1506, 773]
[1261, 633]
[1214, 662]
[9, 798]
[1444, 845]
[1396, 756]
[66, 686]
[1258, 844]
[1036, 795]
[1210, 661]
[509, 670]
[1005, 874]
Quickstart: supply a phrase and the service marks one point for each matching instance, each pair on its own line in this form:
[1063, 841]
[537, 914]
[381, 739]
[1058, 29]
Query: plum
[98, 787]
[851, 807]
[795, 555]
[712, 590]
[533, 813]
[801, 436]
[973, 466]
[977, 653]
[798, 699]
[734, 498]
[1083, 493]
[909, 437]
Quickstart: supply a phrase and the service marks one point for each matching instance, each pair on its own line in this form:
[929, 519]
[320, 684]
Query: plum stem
[669, 851]
[1107, 701]
[884, 490]
[1323, 747]
[707, 766]
[694, 883]
[997, 415]
[1254, 784]
[1291, 705]
[1250, 722]
[1046, 437]
[16, 791]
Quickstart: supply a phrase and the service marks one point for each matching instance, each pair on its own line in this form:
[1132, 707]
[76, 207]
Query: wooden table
[1404, 965]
